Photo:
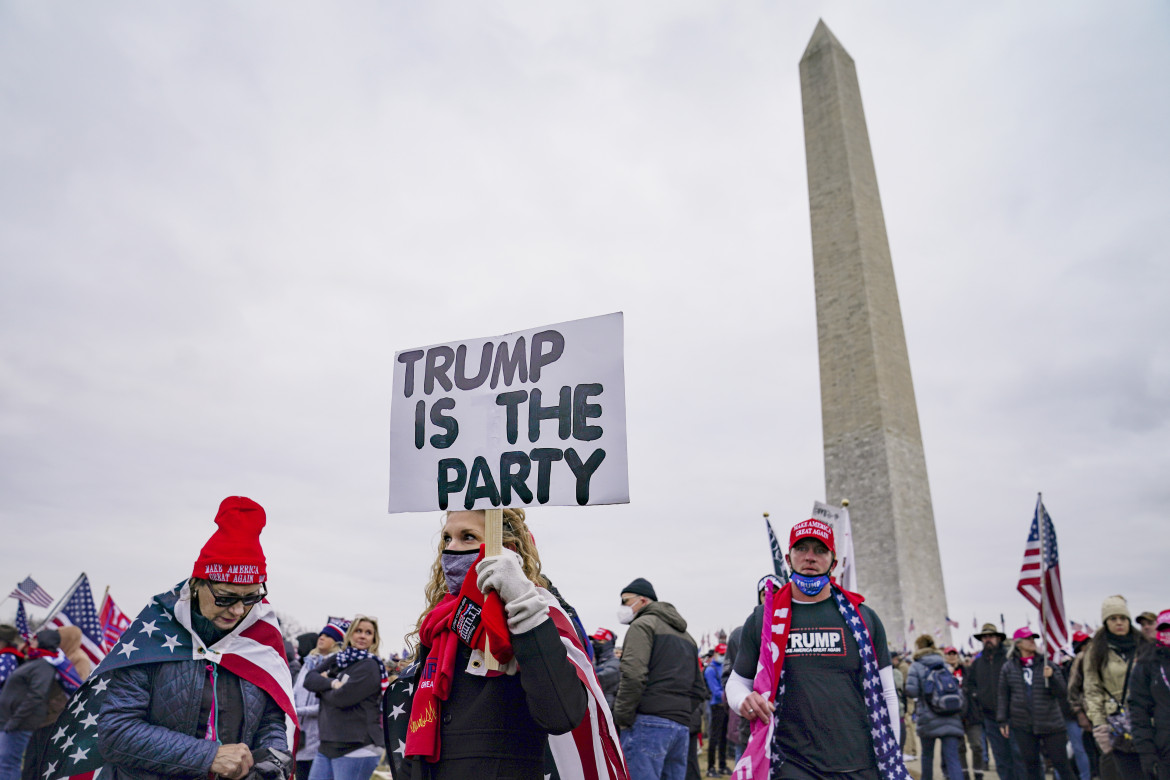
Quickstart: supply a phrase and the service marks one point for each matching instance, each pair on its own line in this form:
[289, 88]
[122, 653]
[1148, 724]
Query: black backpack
[942, 691]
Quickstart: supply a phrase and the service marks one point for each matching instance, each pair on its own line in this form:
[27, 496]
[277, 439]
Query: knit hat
[641, 587]
[602, 635]
[335, 629]
[1024, 633]
[989, 629]
[817, 529]
[48, 639]
[233, 553]
[924, 640]
[1114, 605]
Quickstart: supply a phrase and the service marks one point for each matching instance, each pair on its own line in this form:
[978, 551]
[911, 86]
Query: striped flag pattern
[113, 622]
[29, 591]
[1049, 599]
[78, 610]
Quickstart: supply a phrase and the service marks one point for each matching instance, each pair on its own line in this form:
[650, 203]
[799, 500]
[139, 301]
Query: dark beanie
[641, 587]
[48, 639]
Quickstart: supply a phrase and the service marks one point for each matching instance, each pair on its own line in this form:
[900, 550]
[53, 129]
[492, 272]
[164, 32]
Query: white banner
[532, 417]
[838, 517]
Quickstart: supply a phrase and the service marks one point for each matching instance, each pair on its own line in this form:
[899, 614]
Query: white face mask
[625, 614]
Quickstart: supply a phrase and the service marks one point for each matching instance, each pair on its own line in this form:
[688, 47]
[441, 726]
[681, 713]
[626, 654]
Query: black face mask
[456, 565]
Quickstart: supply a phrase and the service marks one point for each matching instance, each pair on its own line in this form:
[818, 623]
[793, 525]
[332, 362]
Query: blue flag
[778, 562]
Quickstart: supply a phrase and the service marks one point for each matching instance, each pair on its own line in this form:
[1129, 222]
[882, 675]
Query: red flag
[114, 622]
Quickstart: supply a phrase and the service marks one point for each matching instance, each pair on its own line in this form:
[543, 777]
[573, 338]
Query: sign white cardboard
[532, 417]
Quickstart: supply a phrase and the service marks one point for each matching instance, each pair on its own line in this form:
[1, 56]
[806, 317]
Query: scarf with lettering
[468, 617]
[760, 759]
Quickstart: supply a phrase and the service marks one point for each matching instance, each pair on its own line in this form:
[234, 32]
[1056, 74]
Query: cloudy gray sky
[218, 222]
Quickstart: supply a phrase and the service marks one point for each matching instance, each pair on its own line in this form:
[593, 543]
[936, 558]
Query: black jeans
[1121, 765]
[1055, 749]
[717, 736]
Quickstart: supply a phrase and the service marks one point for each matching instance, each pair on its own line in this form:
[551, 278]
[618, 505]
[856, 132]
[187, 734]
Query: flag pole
[1043, 589]
[61, 602]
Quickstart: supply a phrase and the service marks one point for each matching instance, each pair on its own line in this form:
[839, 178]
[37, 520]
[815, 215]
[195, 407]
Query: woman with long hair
[465, 721]
[350, 686]
[1107, 668]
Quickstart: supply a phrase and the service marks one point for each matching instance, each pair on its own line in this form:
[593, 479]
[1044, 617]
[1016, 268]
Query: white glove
[504, 574]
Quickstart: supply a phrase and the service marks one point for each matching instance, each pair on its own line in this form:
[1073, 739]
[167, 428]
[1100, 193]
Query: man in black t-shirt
[836, 711]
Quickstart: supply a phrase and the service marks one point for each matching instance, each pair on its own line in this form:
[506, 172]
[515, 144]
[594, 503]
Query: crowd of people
[502, 681]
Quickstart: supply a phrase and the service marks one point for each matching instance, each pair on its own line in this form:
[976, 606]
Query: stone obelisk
[873, 445]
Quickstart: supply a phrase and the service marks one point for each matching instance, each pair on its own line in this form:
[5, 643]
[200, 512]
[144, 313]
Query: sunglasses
[248, 600]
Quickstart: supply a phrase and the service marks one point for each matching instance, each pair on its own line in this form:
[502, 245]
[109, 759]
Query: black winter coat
[981, 682]
[352, 714]
[498, 726]
[24, 700]
[1149, 703]
[1041, 712]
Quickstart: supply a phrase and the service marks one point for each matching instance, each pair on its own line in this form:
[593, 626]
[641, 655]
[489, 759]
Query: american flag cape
[28, 590]
[1049, 599]
[162, 632]
[589, 752]
[76, 609]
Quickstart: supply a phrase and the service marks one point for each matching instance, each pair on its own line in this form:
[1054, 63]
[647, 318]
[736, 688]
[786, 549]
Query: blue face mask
[810, 586]
[456, 565]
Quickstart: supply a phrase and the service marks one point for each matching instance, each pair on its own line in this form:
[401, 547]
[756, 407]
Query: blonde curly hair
[517, 538]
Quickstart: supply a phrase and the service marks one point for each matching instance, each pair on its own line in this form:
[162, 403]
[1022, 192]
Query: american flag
[162, 632]
[113, 621]
[29, 591]
[78, 610]
[952, 623]
[22, 622]
[1055, 628]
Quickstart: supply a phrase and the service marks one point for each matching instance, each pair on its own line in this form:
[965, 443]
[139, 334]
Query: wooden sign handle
[493, 544]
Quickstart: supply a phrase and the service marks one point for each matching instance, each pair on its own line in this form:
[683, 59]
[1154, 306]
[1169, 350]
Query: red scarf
[470, 618]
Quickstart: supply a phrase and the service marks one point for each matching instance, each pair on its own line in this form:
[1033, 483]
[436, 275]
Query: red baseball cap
[1163, 619]
[720, 648]
[1025, 633]
[602, 635]
[1081, 636]
[816, 529]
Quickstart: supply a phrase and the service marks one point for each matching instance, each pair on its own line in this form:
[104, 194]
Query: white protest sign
[532, 417]
[838, 517]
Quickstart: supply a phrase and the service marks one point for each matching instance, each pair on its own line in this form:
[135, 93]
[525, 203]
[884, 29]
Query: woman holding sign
[455, 718]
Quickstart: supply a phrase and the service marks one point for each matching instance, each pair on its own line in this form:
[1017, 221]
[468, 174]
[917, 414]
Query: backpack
[942, 691]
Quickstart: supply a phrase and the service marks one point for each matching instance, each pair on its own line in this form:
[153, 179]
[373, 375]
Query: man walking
[661, 685]
[833, 711]
[981, 685]
[717, 732]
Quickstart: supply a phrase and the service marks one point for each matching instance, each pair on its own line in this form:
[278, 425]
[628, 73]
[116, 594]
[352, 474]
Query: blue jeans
[325, 768]
[12, 745]
[950, 757]
[1007, 766]
[1080, 757]
[655, 748]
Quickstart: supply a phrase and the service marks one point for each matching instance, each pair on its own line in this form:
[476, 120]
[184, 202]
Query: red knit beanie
[233, 553]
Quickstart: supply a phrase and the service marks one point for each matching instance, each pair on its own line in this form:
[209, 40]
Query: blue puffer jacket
[148, 722]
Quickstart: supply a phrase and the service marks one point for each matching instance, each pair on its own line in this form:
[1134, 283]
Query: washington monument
[873, 445]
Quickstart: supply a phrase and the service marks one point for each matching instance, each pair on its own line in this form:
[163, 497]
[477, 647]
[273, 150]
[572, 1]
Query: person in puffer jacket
[606, 663]
[194, 718]
[933, 725]
[1031, 690]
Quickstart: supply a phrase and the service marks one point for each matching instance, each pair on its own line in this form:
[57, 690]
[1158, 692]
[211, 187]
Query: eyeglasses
[248, 599]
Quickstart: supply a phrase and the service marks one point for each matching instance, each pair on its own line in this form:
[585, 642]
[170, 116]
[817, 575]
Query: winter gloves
[504, 574]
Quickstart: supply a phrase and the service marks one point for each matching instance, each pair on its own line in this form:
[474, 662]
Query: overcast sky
[218, 222]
